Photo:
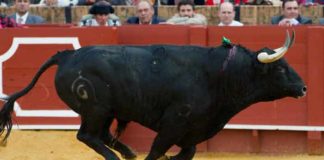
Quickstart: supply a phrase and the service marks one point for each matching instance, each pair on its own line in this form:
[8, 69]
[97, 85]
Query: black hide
[184, 93]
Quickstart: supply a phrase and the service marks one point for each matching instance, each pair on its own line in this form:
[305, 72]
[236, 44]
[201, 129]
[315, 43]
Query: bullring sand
[63, 145]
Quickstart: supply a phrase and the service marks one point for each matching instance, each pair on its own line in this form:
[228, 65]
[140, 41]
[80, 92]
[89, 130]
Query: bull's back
[140, 64]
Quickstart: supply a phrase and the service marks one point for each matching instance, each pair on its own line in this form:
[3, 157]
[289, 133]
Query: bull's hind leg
[93, 113]
[108, 139]
[185, 154]
[90, 132]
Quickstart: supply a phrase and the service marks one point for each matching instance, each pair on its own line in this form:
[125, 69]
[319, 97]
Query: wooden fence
[249, 15]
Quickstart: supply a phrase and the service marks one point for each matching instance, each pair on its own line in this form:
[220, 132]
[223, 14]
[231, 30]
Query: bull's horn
[263, 57]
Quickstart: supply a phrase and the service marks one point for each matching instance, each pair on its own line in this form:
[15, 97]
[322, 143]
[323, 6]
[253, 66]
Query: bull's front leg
[173, 126]
[160, 146]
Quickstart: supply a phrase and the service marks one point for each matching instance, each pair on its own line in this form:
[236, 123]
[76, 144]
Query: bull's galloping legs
[90, 133]
[169, 134]
[185, 154]
[160, 146]
[123, 149]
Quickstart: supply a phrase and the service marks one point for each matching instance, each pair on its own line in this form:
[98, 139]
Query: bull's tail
[7, 109]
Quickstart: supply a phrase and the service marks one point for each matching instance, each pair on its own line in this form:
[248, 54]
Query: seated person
[7, 22]
[186, 14]
[291, 16]
[321, 21]
[145, 14]
[226, 15]
[101, 14]
[22, 15]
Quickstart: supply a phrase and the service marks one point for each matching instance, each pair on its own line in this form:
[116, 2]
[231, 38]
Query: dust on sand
[63, 145]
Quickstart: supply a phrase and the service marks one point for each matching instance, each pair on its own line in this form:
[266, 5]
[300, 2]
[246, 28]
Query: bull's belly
[147, 118]
[200, 131]
[194, 138]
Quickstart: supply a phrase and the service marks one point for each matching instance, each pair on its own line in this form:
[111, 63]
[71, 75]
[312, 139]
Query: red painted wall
[306, 56]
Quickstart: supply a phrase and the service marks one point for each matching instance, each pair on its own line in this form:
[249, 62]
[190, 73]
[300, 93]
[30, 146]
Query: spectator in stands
[186, 14]
[226, 15]
[22, 15]
[7, 22]
[290, 16]
[321, 21]
[145, 14]
[100, 14]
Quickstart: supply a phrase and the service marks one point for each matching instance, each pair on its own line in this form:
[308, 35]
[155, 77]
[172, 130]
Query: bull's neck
[230, 56]
[232, 79]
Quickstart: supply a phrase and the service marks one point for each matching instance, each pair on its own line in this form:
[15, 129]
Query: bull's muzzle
[304, 89]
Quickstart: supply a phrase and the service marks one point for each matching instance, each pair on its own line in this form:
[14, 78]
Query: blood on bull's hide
[184, 93]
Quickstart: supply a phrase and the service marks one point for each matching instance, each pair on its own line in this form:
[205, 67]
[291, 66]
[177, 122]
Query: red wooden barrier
[315, 110]
[260, 122]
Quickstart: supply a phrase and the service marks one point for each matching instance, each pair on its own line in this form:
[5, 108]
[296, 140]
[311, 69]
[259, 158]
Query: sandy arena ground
[63, 145]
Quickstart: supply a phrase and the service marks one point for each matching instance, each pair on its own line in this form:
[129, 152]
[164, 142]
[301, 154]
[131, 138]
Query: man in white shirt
[226, 15]
[22, 15]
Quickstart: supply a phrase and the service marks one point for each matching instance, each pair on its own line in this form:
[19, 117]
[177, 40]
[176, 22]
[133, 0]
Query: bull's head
[280, 79]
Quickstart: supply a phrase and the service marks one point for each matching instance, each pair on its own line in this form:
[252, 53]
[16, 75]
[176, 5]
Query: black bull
[184, 93]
